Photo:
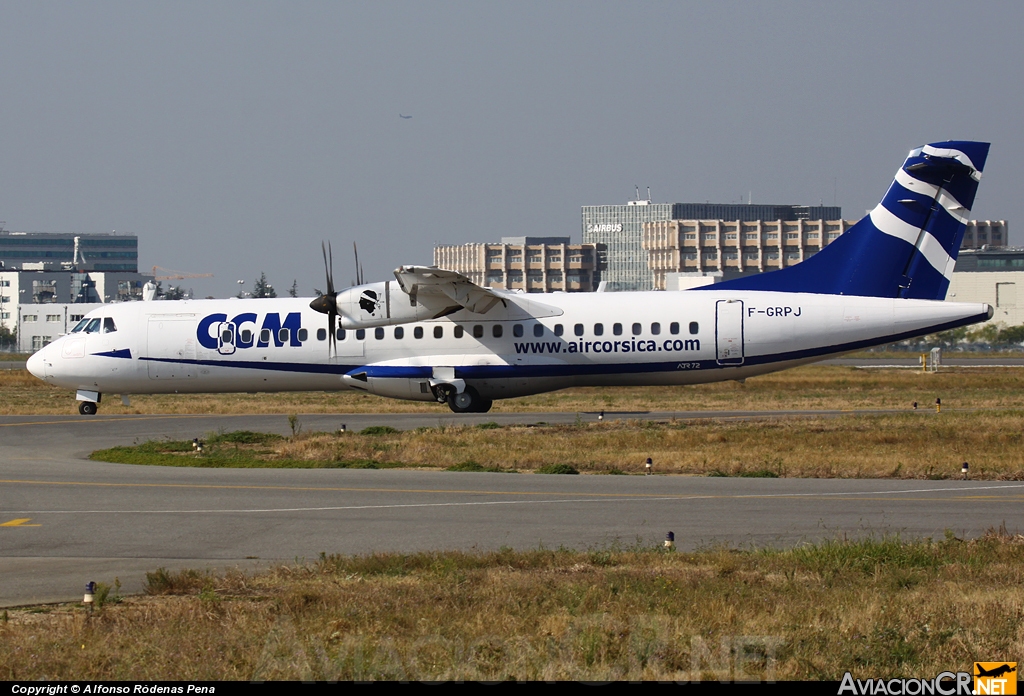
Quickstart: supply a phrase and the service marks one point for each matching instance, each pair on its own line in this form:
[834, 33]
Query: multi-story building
[39, 268]
[531, 264]
[681, 252]
[982, 233]
[46, 251]
[54, 287]
[731, 248]
[995, 276]
[40, 324]
[620, 229]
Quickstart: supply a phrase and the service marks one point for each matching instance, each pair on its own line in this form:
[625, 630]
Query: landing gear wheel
[464, 402]
[468, 401]
[87, 408]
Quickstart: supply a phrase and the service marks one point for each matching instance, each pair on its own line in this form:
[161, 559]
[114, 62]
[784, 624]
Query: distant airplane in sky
[400, 116]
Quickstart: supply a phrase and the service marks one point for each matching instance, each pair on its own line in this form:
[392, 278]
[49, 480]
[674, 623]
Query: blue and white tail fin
[905, 247]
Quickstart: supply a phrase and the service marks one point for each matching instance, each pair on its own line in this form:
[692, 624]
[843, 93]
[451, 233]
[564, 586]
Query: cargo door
[171, 347]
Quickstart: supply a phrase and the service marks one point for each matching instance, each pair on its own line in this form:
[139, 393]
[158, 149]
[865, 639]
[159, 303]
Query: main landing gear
[87, 408]
[468, 401]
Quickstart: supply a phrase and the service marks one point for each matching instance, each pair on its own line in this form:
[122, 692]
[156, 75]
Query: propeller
[328, 302]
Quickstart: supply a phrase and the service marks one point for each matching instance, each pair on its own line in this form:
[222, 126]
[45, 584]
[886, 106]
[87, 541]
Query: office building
[45, 251]
[620, 229]
[39, 268]
[679, 251]
[531, 264]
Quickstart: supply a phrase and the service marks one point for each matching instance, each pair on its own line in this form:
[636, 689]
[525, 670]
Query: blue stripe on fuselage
[475, 372]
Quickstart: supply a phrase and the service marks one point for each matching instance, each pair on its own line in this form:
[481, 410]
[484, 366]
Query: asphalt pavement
[66, 520]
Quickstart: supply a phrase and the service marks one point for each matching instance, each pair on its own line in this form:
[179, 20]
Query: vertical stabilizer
[905, 247]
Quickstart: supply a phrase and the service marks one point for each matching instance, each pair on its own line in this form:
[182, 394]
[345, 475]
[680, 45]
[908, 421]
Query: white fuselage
[536, 343]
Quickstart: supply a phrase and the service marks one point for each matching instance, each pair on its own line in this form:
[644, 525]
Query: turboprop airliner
[432, 335]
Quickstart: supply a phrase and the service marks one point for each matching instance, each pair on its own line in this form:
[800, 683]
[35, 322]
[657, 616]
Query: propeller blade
[333, 349]
[328, 302]
[330, 269]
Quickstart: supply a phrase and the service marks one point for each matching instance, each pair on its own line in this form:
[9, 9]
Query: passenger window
[247, 336]
[360, 334]
[108, 325]
[339, 334]
[559, 330]
[693, 327]
[637, 329]
[459, 331]
[417, 332]
[93, 326]
[303, 334]
[478, 331]
[599, 329]
[578, 329]
[227, 337]
[517, 330]
[265, 336]
[655, 328]
[378, 333]
[538, 330]
[673, 328]
[496, 331]
[617, 329]
[321, 334]
[438, 332]
[399, 332]
[282, 335]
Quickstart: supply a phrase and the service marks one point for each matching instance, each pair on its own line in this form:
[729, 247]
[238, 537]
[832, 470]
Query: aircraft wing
[436, 287]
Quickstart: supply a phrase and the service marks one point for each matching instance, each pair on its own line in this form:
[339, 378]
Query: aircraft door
[226, 334]
[729, 332]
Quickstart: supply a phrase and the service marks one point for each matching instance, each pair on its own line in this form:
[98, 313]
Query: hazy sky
[233, 137]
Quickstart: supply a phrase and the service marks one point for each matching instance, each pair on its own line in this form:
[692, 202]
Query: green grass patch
[470, 465]
[223, 456]
[379, 430]
[244, 437]
[557, 469]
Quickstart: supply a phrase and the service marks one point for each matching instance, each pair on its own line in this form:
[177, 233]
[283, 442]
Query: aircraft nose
[35, 365]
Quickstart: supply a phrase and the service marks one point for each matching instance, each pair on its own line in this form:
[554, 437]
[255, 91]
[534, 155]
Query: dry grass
[806, 388]
[879, 608]
[906, 445]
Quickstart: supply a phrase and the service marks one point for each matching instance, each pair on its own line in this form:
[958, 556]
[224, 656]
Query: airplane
[995, 671]
[433, 335]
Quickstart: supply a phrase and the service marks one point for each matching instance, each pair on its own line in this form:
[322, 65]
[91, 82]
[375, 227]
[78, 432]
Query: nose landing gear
[88, 402]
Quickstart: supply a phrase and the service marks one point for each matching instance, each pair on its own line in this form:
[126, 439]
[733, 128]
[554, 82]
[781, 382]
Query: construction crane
[167, 274]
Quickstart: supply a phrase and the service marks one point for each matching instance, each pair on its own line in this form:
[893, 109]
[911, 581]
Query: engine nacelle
[380, 304]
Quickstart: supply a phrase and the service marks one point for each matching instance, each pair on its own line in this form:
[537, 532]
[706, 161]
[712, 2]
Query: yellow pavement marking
[20, 523]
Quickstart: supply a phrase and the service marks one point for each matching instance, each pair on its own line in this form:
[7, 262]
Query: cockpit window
[93, 326]
[80, 326]
[108, 325]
